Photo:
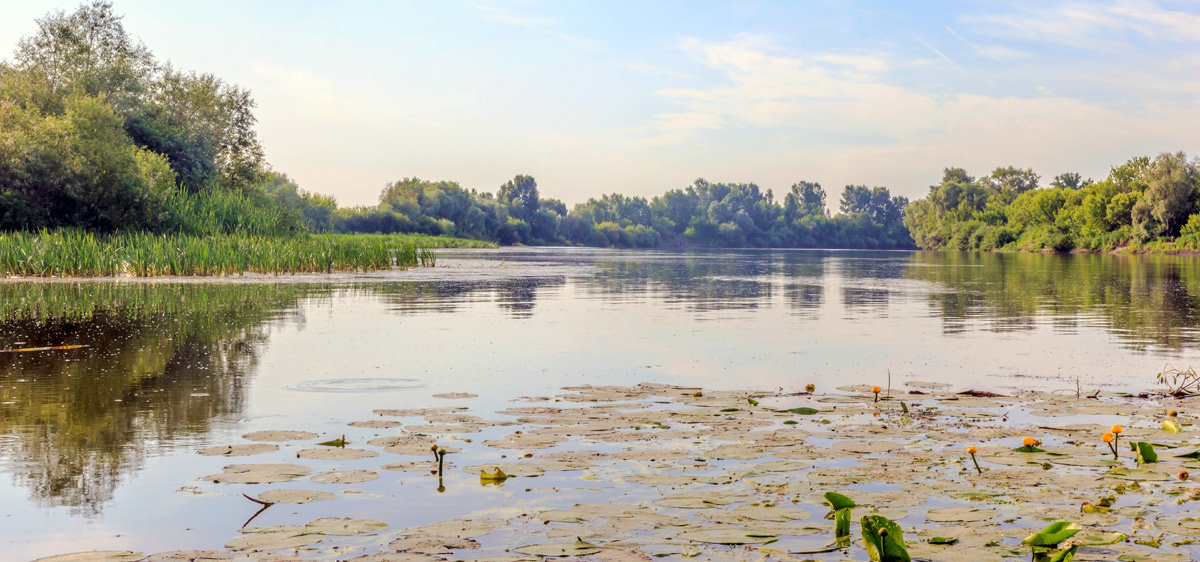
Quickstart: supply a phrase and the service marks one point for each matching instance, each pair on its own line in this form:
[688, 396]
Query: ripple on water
[356, 385]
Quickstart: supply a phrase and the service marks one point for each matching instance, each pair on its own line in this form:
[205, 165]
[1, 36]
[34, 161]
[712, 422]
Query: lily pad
[295, 496]
[239, 450]
[453, 395]
[960, 514]
[345, 477]
[344, 526]
[577, 548]
[95, 556]
[259, 473]
[279, 435]
[336, 454]
[1137, 474]
[728, 536]
[286, 538]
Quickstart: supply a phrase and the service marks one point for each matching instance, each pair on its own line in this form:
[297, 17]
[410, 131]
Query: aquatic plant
[876, 390]
[1110, 440]
[971, 451]
[1180, 382]
[883, 539]
[70, 253]
[840, 507]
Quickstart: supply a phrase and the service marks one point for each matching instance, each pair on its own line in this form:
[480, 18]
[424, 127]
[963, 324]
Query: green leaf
[790, 422]
[1064, 555]
[802, 411]
[577, 548]
[841, 523]
[1191, 455]
[1100, 539]
[883, 539]
[1029, 449]
[1171, 426]
[837, 501]
[943, 540]
[340, 442]
[904, 406]
[497, 476]
[752, 401]
[1145, 452]
[1053, 534]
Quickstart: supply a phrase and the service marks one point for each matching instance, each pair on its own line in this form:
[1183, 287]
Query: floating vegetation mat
[631, 473]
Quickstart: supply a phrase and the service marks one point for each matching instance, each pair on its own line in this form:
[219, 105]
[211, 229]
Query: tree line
[1144, 203]
[703, 214]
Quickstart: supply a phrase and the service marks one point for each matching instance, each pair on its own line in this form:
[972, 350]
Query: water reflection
[165, 361]
[1147, 302]
[162, 361]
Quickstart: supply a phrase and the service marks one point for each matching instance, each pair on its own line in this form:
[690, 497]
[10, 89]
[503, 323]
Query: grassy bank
[68, 253]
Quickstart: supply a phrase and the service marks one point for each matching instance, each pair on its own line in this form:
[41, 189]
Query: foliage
[703, 214]
[883, 539]
[96, 134]
[1180, 382]
[69, 253]
[1144, 204]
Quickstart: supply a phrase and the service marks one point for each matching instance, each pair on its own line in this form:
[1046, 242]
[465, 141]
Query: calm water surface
[97, 445]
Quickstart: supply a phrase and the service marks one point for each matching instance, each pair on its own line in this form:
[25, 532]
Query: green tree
[520, 195]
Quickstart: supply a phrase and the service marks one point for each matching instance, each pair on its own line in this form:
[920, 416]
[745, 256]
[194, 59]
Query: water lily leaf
[455, 395]
[577, 548]
[1191, 455]
[841, 523]
[883, 539]
[295, 496]
[837, 501]
[1145, 452]
[336, 454]
[242, 450]
[259, 473]
[752, 401]
[274, 540]
[960, 514]
[942, 540]
[803, 411]
[728, 536]
[1100, 539]
[769, 513]
[1135, 474]
[345, 477]
[279, 435]
[344, 526]
[339, 442]
[1064, 555]
[495, 475]
[1171, 426]
[1029, 449]
[780, 466]
[95, 556]
[1053, 534]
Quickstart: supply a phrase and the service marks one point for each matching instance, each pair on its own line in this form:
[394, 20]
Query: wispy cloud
[1092, 25]
[543, 24]
[935, 50]
[895, 128]
[499, 15]
[992, 52]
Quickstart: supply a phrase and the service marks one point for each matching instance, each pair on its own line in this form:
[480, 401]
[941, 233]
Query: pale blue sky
[642, 97]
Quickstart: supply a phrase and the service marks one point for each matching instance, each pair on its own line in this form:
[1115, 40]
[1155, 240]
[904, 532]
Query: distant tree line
[702, 214]
[1144, 203]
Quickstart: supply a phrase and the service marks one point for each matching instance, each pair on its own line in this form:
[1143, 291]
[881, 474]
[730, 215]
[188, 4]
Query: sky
[641, 97]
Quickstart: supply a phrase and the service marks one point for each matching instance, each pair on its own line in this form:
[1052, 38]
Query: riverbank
[677, 472]
[69, 253]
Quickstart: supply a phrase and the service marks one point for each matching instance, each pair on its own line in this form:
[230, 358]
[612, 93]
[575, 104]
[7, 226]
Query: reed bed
[69, 253]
